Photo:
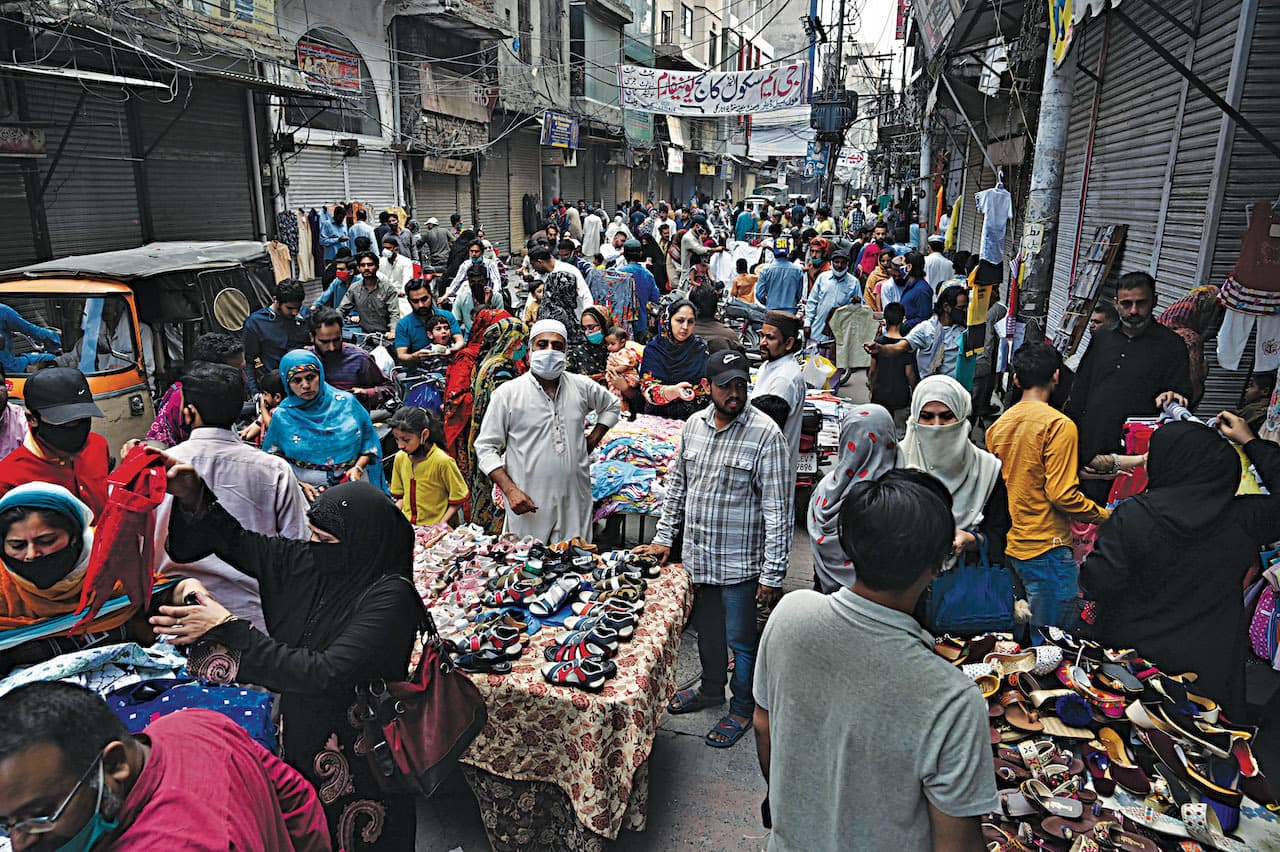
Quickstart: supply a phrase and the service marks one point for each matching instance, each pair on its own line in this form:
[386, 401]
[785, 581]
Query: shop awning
[461, 18]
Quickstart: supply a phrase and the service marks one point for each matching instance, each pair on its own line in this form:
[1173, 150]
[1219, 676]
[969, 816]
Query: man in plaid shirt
[730, 492]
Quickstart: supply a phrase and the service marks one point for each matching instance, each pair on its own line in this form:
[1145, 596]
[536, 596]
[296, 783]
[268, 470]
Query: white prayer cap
[548, 326]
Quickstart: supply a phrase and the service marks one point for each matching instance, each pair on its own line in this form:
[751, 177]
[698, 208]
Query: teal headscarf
[327, 432]
[55, 498]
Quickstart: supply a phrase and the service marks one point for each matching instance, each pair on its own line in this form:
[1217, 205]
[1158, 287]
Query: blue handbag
[142, 703]
[974, 596]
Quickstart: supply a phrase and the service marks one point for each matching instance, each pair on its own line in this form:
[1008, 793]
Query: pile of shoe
[605, 615]
[496, 640]
[1072, 721]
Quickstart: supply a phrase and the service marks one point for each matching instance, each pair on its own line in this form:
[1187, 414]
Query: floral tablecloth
[592, 746]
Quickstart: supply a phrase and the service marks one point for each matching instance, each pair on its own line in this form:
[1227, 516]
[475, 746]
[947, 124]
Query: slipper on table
[589, 673]
[691, 701]
[727, 727]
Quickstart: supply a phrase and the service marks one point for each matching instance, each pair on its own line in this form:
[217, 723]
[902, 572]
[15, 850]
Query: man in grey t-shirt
[868, 739]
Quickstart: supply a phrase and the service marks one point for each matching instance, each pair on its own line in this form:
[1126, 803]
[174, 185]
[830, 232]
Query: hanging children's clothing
[1251, 294]
[1258, 267]
[306, 260]
[996, 207]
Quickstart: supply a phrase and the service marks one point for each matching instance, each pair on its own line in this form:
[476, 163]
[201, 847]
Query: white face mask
[546, 363]
[387, 253]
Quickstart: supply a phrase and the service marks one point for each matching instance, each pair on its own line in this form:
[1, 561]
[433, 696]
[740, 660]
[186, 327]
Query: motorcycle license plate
[808, 463]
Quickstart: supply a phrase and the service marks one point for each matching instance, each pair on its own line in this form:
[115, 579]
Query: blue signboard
[559, 130]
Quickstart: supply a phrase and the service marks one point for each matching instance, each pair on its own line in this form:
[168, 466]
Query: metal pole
[813, 45]
[926, 183]
[1040, 231]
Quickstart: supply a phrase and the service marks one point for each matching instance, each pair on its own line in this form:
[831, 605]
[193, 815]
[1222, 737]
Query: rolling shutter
[315, 178]
[524, 178]
[371, 179]
[494, 197]
[199, 152]
[91, 201]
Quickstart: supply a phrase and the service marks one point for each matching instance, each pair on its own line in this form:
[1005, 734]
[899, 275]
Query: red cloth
[208, 787]
[124, 539]
[85, 476]
[1137, 440]
[1259, 263]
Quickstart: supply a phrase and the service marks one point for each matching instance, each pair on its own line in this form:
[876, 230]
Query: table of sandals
[1098, 749]
[558, 766]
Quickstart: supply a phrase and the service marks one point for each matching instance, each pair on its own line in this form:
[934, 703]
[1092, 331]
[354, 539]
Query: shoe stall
[1097, 748]
[574, 652]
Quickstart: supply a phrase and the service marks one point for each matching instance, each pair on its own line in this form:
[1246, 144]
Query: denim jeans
[725, 618]
[1052, 583]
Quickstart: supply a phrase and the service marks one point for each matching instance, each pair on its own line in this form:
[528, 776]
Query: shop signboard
[21, 142]
[900, 25]
[935, 19]
[726, 170]
[707, 169]
[815, 159]
[675, 161]
[328, 67]
[711, 93]
[256, 16]
[638, 127]
[1061, 28]
[559, 130]
[446, 166]
[454, 95]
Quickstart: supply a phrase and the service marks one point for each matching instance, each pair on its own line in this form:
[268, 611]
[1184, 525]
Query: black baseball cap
[727, 365]
[60, 395]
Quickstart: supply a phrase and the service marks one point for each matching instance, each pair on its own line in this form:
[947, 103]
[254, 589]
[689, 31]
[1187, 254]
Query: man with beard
[347, 368]
[73, 777]
[60, 449]
[729, 492]
[1128, 371]
[779, 375]
[413, 332]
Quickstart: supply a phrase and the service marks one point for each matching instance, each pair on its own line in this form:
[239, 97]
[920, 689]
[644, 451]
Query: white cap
[547, 326]
[433, 221]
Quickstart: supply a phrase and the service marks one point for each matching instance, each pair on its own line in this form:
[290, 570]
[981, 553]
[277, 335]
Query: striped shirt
[731, 491]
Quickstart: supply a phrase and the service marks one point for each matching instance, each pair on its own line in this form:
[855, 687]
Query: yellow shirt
[428, 488]
[1038, 446]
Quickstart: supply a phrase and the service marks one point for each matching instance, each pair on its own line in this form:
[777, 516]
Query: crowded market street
[640, 425]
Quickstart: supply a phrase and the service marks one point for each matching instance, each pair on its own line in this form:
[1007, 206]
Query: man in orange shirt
[1038, 446]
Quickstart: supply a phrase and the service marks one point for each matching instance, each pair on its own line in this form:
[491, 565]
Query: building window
[686, 21]
[331, 63]
[552, 32]
[712, 49]
[667, 28]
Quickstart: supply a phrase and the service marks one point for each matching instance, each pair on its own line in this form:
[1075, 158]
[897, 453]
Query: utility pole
[1040, 229]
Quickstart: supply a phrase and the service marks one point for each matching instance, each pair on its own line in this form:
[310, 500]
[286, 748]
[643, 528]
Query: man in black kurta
[1122, 373]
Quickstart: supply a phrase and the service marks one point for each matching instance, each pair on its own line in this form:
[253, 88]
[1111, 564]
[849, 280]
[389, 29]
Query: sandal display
[589, 673]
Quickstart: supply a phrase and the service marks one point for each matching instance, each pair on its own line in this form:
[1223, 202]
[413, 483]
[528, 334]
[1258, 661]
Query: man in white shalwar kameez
[532, 442]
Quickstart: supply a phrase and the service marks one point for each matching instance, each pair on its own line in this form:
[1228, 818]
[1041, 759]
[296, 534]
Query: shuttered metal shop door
[969, 229]
[15, 218]
[462, 185]
[1253, 173]
[622, 183]
[573, 180]
[494, 197]
[315, 178]
[437, 195]
[371, 179]
[198, 178]
[525, 178]
[91, 201]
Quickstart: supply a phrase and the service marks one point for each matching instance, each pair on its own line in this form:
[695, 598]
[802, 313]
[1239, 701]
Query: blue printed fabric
[609, 477]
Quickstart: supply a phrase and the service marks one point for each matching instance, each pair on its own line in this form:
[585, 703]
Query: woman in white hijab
[937, 442]
[617, 226]
[868, 450]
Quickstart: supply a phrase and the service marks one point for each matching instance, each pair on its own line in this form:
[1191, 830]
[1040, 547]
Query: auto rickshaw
[127, 319]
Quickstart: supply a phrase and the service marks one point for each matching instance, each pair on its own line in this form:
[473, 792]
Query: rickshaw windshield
[93, 334]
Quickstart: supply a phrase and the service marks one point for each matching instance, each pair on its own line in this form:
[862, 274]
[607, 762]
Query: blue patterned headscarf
[330, 429]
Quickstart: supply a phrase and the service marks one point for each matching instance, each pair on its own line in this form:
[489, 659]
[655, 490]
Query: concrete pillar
[1040, 229]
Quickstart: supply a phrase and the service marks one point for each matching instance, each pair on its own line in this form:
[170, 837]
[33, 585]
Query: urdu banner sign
[710, 93]
[329, 67]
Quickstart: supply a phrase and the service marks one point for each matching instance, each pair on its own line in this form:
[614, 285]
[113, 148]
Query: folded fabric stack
[489, 595]
[1099, 749]
[631, 465]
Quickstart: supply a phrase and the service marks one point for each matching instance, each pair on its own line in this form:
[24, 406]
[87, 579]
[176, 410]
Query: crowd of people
[291, 533]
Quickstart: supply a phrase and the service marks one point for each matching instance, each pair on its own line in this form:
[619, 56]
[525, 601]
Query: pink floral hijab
[868, 450]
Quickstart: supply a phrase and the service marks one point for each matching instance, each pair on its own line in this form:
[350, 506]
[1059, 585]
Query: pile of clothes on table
[631, 466]
[489, 595]
[1097, 748]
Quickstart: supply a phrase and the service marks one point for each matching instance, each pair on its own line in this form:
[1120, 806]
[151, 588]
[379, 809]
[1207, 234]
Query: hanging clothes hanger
[999, 178]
